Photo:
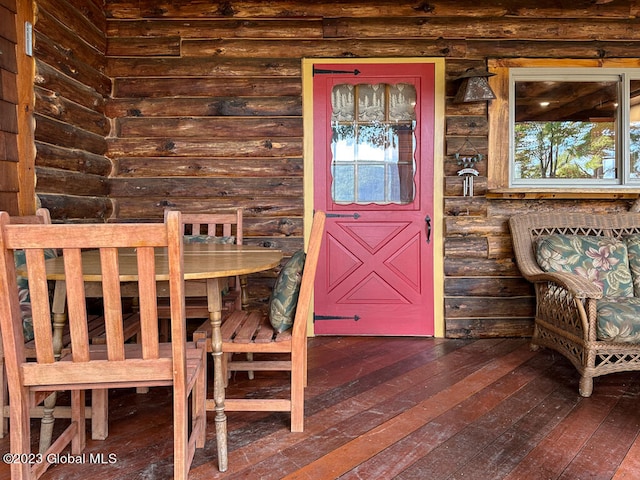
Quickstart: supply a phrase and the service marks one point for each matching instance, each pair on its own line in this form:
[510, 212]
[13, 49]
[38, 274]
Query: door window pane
[373, 143]
[344, 183]
[371, 183]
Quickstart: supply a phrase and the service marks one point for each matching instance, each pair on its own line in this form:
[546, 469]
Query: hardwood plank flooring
[402, 408]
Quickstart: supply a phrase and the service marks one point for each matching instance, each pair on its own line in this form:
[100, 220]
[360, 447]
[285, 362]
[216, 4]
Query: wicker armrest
[577, 286]
[568, 301]
[558, 307]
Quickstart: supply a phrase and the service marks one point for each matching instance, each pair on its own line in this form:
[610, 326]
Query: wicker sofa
[586, 274]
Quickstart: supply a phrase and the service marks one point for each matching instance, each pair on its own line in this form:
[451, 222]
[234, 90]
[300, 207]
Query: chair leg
[586, 386]
[4, 420]
[199, 408]
[244, 304]
[20, 435]
[297, 399]
[298, 376]
[305, 360]
[250, 359]
[180, 435]
[99, 414]
[79, 440]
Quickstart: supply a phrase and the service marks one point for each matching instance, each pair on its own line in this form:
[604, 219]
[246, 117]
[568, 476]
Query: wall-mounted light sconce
[474, 86]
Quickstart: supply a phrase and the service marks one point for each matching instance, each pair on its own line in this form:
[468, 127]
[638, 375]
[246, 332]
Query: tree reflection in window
[373, 143]
[566, 129]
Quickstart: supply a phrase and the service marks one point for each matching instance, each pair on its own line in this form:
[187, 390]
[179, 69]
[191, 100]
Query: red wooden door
[373, 175]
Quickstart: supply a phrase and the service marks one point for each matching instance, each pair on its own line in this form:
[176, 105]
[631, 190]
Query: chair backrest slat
[148, 301]
[111, 299]
[39, 295]
[76, 304]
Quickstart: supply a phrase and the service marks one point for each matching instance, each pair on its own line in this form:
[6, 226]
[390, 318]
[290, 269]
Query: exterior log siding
[10, 167]
[195, 104]
[71, 89]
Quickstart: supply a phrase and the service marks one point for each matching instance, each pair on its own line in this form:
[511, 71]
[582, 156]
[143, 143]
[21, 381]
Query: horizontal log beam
[222, 28]
[216, 127]
[205, 187]
[488, 287]
[351, 8]
[69, 208]
[53, 180]
[72, 159]
[152, 207]
[204, 147]
[492, 307]
[489, 328]
[209, 167]
[199, 67]
[204, 85]
[205, 106]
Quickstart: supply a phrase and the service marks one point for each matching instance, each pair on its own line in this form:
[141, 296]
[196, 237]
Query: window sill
[565, 193]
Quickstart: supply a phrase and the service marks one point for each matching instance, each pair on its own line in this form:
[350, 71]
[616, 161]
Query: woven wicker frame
[565, 318]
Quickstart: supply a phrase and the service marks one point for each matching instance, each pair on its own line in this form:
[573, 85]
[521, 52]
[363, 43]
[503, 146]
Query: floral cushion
[23, 293]
[284, 297]
[619, 319]
[633, 250]
[603, 260]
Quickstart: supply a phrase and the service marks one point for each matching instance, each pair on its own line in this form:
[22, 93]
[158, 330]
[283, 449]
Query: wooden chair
[220, 227]
[115, 364]
[49, 411]
[251, 332]
[41, 216]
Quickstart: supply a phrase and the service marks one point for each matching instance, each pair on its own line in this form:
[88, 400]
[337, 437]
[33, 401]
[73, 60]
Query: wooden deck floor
[406, 408]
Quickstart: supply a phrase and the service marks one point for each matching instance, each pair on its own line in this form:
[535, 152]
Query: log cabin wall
[9, 165]
[70, 90]
[206, 113]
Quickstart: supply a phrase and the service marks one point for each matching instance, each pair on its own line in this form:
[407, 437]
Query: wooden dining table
[205, 267]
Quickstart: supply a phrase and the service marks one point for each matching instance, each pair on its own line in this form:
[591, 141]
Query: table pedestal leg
[244, 292]
[214, 301]
[59, 320]
[46, 424]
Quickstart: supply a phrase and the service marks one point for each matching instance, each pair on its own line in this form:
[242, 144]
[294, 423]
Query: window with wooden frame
[571, 125]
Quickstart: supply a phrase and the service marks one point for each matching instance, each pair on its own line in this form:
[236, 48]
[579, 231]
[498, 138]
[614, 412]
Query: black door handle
[427, 220]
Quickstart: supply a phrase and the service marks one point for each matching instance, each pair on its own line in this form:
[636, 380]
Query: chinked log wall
[206, 112]
[70, 90]
[9, 156]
